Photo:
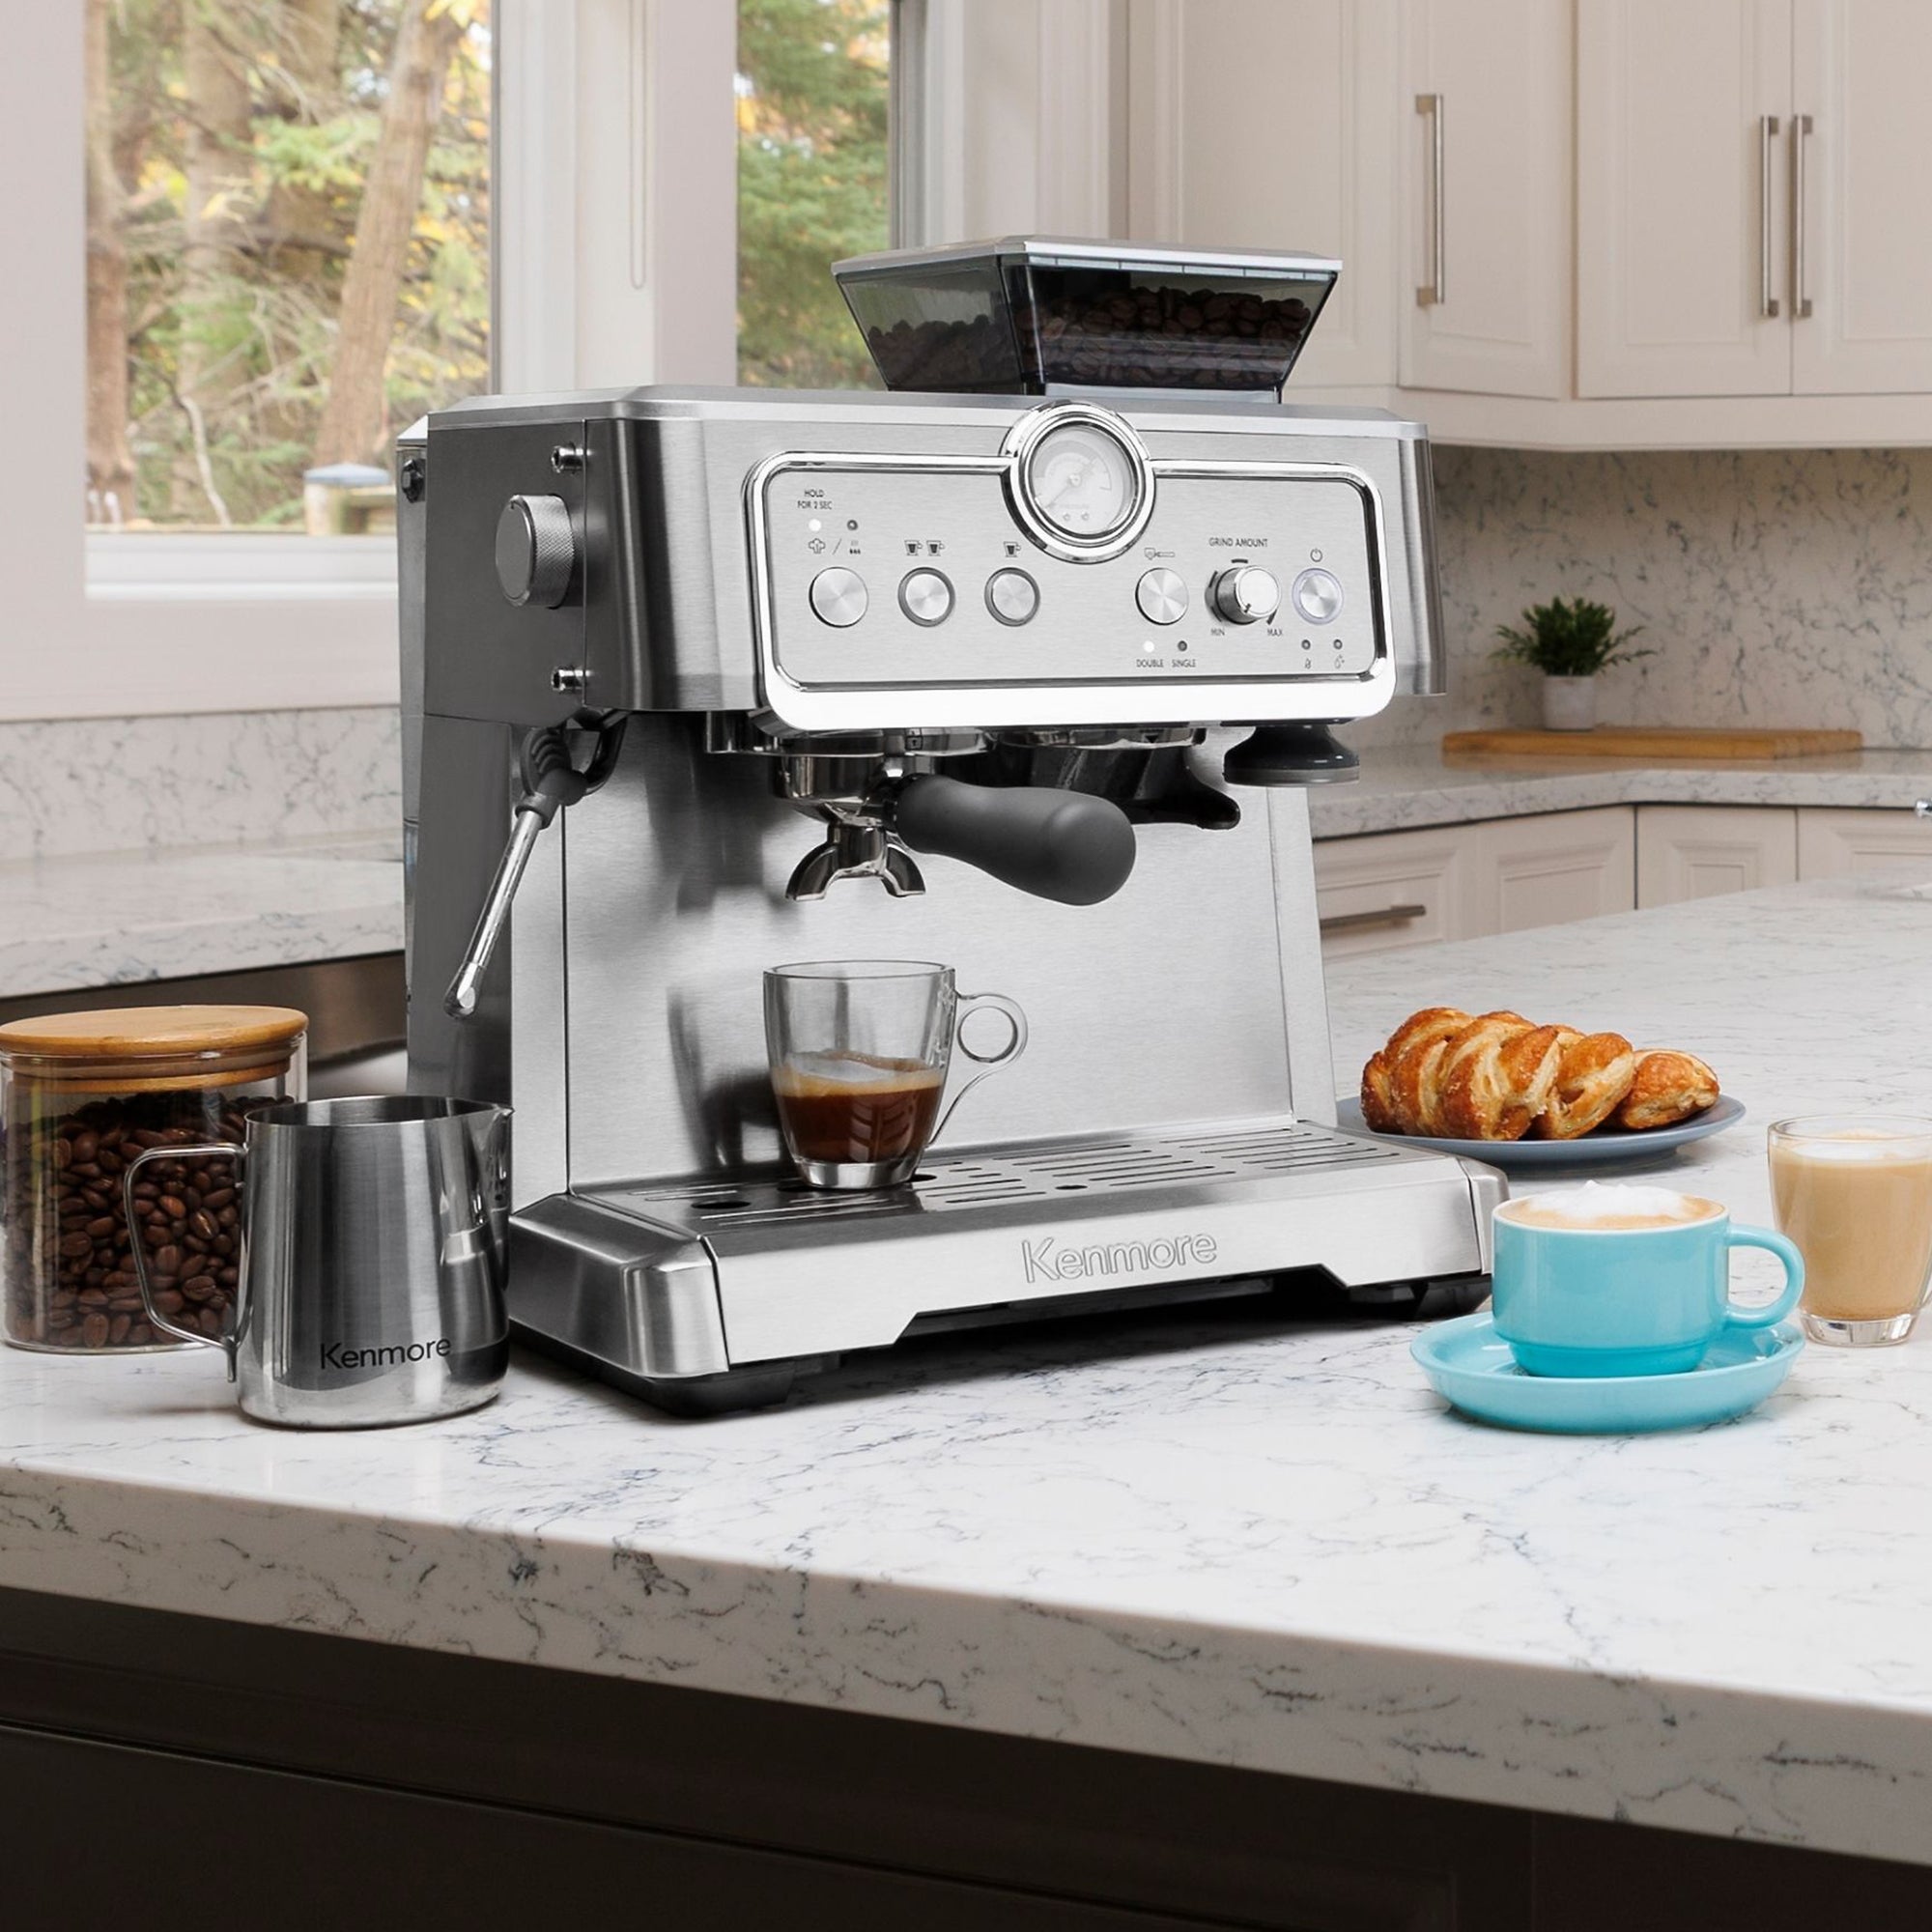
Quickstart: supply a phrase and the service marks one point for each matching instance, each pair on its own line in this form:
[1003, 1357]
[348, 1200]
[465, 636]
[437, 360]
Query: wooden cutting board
[1651, 741]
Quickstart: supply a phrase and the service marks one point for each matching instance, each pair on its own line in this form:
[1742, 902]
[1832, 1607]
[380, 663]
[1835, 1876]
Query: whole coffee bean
[101, 1227]
[168, 1300]
[173, 1207]
[201, 1288]
[203, 1223]
[94, 1330]
[117, 1329]
[76, 1244]
[85, 1146]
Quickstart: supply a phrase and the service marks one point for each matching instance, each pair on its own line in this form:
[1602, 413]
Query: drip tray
[801, 1271]
[711, 1296]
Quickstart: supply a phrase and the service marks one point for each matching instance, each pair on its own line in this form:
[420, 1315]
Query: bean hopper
[1023, 665]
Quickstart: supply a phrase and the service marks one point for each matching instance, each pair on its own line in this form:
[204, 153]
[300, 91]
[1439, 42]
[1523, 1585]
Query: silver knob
[1244, 594]
[536, 550]
[1012, 596]
[1162, 595]
[926, 597]
[1317, 596]
[839, 597]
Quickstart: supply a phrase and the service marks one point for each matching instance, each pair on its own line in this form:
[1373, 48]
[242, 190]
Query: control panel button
[839, 597]
[1012, 596]
[926, 596]
[1317, 596]
[1162, 595]
[1245, 595]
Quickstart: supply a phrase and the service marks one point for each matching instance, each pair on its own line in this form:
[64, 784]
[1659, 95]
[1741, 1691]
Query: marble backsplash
[106, 784]
[1776, 587]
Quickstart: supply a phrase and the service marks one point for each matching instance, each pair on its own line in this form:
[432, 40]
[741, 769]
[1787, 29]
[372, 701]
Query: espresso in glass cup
[1854, 1192]
[860, 1051]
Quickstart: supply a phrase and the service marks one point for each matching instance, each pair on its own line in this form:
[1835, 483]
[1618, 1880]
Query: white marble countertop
[1411, 787]
[1261, 1546]
[110, 918]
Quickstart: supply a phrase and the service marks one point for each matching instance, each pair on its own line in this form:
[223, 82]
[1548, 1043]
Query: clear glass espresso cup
[1854, 1192]
[860, 1050]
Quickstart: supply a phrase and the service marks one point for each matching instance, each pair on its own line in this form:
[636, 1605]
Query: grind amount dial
[1244, 594]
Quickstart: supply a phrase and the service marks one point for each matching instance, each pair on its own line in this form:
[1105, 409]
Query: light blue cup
[1626, 1301]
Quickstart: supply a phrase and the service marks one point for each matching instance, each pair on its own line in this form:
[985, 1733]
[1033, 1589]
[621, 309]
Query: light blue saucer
[1468, 1362]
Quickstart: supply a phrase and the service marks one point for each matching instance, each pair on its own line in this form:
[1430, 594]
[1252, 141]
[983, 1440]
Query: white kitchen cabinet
[1680, 197]
[1554, 867]
[1311, 171]
[1395, 889]
[1836, 841]
[1484, 197]
[1697, 851]
[1750, 185]
[1861, 259]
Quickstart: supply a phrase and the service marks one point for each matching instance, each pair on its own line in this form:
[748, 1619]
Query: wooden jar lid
[154, 1032]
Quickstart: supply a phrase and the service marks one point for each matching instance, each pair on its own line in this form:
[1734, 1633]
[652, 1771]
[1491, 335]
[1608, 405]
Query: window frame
[599, 103]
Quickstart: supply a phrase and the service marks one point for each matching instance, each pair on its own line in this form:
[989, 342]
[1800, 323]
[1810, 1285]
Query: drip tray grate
[1187, 1156]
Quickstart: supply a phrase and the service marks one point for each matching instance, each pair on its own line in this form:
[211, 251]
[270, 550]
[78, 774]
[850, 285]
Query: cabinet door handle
[1361, 922]
[1435, 289]
[1801, 297]
[1766, 134]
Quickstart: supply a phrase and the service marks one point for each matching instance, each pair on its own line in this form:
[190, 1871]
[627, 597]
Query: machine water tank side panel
[503, 524]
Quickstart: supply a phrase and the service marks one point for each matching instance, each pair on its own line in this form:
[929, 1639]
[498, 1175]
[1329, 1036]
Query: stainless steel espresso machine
[1024, 666]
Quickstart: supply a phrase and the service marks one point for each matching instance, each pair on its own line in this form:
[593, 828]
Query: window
[812, 85]
[566, 218]
[288, 249]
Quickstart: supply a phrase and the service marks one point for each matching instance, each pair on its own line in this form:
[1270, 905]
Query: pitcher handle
[964, 1007]
[231, 1333]
[1786, 1251]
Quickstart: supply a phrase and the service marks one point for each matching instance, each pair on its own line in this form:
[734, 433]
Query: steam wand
[551, 782]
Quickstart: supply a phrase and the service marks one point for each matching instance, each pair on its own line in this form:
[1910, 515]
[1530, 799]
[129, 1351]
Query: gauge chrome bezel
[1022, 444]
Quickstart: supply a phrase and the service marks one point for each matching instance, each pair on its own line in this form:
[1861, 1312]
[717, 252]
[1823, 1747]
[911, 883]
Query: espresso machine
[1024, 666]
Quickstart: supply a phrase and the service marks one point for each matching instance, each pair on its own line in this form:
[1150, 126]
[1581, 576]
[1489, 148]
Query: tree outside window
[287, 251]
[813, 183]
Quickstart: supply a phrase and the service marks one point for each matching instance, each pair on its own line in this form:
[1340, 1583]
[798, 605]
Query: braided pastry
[1667, 1087]
[1447, 1074]
[1593, 1075]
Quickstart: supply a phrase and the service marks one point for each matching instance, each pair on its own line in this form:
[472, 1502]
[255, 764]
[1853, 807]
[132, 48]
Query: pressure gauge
[1078, 480]
[1081, 481]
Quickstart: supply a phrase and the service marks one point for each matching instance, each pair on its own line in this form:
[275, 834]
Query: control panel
[884, 574]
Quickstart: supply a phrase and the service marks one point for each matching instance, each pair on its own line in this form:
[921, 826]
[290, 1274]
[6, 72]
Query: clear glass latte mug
[1854, 1192]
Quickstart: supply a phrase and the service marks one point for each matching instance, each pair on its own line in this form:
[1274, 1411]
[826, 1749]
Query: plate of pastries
[1510, 1091]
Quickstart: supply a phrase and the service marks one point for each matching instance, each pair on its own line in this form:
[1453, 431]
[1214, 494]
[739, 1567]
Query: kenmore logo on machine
[1046, 1261]
[334, 1355]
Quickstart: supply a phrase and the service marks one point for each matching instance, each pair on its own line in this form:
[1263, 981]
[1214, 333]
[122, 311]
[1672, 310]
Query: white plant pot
[1569, 703]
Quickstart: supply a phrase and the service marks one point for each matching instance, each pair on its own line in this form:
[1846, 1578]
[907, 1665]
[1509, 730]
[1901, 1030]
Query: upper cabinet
[1861, 271]
[1563, 223]
[1680, 199]
[1750, 175]
[1485, 198]
[1309, 171]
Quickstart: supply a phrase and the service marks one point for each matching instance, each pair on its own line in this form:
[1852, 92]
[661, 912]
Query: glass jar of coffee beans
[80, 1093]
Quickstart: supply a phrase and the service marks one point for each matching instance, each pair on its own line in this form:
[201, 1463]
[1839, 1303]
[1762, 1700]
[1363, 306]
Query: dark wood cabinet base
[164, 1771]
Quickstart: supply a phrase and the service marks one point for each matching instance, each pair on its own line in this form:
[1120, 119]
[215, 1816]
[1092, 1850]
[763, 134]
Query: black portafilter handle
[1064, 846]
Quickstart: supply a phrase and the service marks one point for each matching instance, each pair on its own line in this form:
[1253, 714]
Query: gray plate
[1598, 1150]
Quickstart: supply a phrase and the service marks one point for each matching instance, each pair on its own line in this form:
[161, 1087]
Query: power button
[1317, 596]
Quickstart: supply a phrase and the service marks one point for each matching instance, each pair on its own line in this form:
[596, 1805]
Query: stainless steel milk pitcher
[369, 1283]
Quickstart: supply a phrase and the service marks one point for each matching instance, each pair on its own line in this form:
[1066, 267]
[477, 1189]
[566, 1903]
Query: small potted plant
[1568, 640]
